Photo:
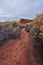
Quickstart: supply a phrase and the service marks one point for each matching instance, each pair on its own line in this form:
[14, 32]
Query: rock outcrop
[25, 21]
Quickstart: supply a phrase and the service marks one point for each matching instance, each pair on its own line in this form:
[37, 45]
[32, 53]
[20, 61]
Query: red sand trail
[18, 52]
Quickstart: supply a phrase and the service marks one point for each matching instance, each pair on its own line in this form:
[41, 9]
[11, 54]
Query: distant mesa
[25, 21]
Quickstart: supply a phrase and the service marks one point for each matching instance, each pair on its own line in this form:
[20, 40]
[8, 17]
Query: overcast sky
[15, 9]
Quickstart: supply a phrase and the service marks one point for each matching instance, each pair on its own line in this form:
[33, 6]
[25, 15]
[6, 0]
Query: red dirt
[18, 52]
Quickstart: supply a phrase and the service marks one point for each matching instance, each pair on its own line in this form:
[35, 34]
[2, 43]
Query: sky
[16, 9]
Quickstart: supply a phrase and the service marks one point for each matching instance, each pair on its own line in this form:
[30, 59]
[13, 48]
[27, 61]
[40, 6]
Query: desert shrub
[41, 28]
[28, 27]
[9, 33]
[7, 23]
[10, 27]
[38, 19]
[15, 24]
[1, 26]
[41, 36]
[3, 36]
[16, 33]
[1, 40]
[37, 39]
[21, 26]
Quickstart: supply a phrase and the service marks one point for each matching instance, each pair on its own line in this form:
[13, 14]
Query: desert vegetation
[37, 38]
[27, 37]
[28, 27]
[8, 31]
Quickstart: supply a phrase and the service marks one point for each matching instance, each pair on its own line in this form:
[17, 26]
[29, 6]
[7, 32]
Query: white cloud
[20, 8]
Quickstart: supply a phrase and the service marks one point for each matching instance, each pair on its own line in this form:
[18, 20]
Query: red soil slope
[18, 52]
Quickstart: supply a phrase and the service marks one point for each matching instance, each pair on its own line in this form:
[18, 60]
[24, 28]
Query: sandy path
[18, 52]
